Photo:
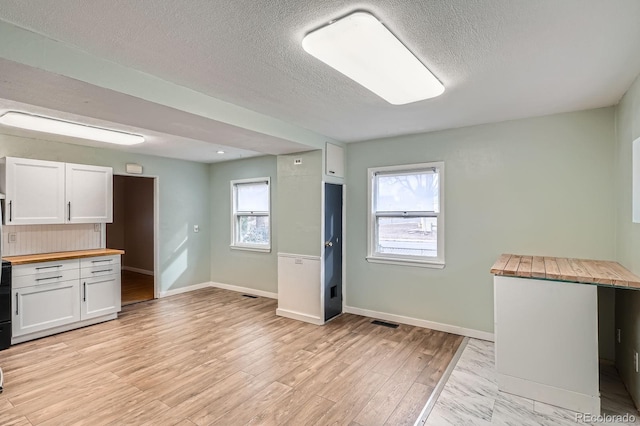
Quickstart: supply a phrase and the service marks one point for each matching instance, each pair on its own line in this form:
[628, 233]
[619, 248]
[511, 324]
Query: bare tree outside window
[406, 210]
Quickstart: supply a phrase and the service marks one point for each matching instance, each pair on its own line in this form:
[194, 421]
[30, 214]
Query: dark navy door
[332, 250]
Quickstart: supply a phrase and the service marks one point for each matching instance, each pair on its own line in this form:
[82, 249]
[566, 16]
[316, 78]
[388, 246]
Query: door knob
[328, 244]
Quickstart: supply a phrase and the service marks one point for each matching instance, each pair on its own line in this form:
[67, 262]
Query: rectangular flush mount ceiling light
[68, 128]
[363, 49]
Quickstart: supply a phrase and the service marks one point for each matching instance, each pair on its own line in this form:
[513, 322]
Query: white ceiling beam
[26, 47]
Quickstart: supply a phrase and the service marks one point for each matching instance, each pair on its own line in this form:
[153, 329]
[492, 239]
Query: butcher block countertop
[599, 272]
[64, 255]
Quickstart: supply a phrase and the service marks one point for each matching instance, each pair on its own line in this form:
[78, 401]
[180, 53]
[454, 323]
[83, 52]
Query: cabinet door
[334, 160]
[100, 296]
[45, 306]
[34, 192]
[89, 194]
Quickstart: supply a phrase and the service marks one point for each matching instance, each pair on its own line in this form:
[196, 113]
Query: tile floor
[471, 396]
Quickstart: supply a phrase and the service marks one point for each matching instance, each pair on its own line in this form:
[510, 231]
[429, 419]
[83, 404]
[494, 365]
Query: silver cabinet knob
[328, 244]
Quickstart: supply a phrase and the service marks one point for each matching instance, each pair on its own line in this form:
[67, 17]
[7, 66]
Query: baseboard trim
[62, 328]
[245, 290]
[454, 329]
[185, 289]
[574, 401]
[298, 316]
[138, 270]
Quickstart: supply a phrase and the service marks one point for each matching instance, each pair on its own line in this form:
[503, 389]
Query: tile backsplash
[31, 239]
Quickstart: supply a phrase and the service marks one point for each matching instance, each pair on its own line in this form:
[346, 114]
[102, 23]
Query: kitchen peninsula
[546, 326]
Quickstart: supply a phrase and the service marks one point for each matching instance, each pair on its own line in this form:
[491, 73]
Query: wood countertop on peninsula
[598, 272]
[64, 255]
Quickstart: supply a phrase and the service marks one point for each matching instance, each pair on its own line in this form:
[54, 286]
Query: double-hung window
[406, 215]
[251, 211]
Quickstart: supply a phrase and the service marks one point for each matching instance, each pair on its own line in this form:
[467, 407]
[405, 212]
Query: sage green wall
[239, 267]
[627, 239]
[300, 203]
[183, 198]
[539, 186]
[627, 130]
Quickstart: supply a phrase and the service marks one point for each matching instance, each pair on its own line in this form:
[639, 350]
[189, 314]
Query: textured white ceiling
[170, 132]
[498, 59]
[159, 144]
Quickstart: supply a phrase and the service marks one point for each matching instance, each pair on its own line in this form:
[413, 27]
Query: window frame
[373, 256]
[236, 214]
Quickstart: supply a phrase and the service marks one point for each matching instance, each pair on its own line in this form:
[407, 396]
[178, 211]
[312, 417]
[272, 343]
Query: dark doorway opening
[132, 230]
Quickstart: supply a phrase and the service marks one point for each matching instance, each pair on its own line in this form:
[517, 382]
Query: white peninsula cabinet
[546, 327]
[49, 192]
[51, 296]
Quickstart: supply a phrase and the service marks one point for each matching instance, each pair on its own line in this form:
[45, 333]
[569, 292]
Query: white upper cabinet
[34, 191]
[89, 193]
[45, 192]
[334, 160]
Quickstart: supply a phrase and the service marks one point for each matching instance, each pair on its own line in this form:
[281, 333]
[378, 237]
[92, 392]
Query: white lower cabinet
[58, 296]
[100, 296]
[45, 306]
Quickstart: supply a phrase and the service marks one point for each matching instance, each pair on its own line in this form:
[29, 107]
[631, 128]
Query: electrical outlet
[196, 228]
[635, 360]
[618, 335]
[297, 161]
[96, 227]
[13, 237]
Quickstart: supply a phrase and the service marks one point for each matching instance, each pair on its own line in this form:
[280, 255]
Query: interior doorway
[133, 230]
[332, 250]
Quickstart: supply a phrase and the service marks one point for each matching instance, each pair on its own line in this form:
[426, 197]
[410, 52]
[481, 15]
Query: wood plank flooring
[136, 287]
[213, 356]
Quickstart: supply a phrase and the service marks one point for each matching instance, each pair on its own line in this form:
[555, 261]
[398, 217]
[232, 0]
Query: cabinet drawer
[100, 270]
[48, 277]
[100, 261]
[44, 267]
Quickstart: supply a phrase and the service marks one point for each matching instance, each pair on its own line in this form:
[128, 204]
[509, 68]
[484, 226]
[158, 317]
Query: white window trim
[406, 260]
[264, 248]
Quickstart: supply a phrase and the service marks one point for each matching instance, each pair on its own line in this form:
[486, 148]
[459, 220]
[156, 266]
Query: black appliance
[5, 306]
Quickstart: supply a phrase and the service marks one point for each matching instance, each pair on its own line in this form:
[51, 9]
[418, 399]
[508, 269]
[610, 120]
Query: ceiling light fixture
[220, 152]
[363, 49]
[68, 128]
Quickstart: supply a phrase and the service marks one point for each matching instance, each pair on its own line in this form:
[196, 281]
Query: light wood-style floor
[213, 356]
[136, 287]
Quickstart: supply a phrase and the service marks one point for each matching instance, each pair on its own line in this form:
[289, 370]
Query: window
[251, 211]
[406, 220]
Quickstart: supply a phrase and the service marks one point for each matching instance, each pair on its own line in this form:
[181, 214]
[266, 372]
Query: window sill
[434, 264]
[249, 248]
